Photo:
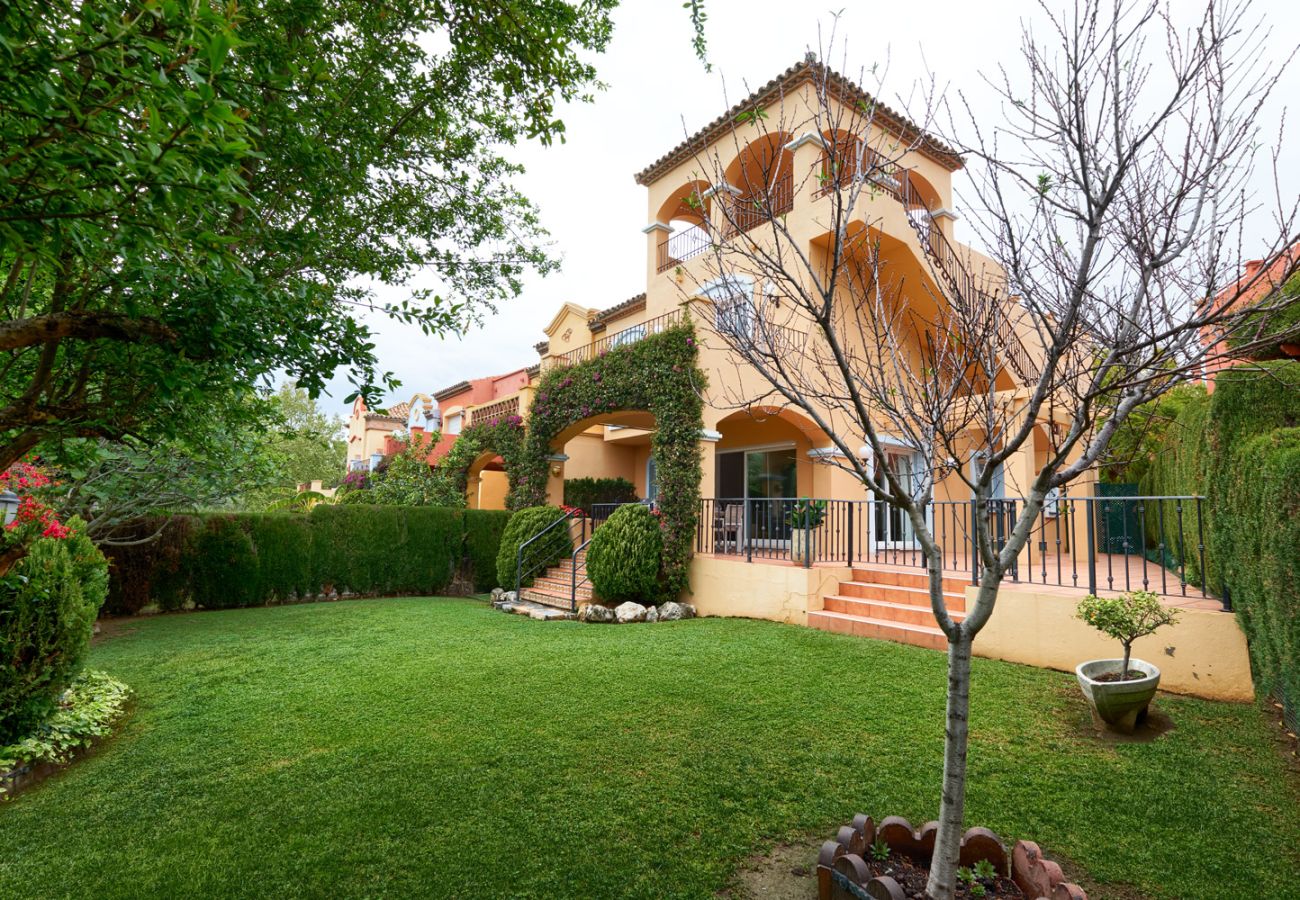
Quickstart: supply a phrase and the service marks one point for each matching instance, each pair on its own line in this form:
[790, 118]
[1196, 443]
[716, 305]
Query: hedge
[1239, 447]
[234, 560]
[585, 493]
[48, 603]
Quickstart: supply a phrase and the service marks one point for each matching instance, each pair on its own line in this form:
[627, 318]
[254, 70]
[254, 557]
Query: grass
[435, 747]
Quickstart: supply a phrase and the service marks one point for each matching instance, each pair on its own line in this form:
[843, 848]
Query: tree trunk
[947, 846]
[1123, 669]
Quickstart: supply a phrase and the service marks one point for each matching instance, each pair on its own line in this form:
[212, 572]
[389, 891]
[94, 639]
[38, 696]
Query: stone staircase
[554, 587]
[889, 603]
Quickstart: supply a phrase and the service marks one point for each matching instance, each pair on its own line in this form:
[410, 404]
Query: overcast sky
[584, 188]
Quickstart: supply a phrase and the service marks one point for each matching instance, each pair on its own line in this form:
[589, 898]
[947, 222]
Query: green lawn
[436, 747]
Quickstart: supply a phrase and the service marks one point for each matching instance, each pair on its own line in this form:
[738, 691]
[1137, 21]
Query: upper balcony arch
[686, 215]
[758, 183]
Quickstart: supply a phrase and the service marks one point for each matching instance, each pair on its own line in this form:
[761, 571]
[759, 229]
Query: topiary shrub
[484, 529]
[284, 553]
[625, 556]
[223, 570]
[548, 551]
[48, 604]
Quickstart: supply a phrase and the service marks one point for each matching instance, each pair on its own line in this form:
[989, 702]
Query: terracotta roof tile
[786, 82]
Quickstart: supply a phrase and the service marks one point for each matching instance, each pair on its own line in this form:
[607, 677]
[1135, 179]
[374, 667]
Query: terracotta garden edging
[843, 874]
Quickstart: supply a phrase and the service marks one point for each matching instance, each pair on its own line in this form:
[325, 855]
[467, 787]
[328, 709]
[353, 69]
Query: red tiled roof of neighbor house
[1275, 274]
[627, 307]
[800, 73]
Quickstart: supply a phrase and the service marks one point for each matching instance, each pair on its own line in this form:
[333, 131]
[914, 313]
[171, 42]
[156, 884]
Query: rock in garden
[629, 612]
[594, 612]
[509, 596]
[688, 611]
[671, 612]
[496, 594]
[652, 615]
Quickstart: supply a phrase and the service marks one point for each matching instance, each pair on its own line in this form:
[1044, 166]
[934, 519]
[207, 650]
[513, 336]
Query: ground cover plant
[430, 747]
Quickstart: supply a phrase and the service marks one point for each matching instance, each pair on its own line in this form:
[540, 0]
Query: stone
[652, 615]
[496, 594]
[509, 596]
[688, 611]
[594, 612]
[671, 612]
[629, 612]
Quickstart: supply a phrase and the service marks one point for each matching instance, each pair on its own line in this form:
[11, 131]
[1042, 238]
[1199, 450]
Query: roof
[452, 391]
[800, 73]
[542, 347]
[631, 305]
[400, 410]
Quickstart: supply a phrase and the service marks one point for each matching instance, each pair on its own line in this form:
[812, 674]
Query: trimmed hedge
[223, 561]
[585, 493]
[1240, 448]
[483, 531]
[542, 553]
[626, 555]
[48, 603]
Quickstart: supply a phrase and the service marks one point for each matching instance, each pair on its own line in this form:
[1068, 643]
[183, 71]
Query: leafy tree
[407, 479]
[196, 196]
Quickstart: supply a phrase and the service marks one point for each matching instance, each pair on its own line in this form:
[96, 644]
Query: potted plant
[1119, 690]
[804, 518]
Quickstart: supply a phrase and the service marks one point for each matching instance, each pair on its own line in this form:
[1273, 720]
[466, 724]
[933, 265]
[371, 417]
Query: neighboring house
[1267, 277]
[368, 431]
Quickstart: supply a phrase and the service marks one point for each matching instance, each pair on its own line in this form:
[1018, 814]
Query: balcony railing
[495, 411]
[1089, 543]
[744, 213]
[629, 335]
[683, 245]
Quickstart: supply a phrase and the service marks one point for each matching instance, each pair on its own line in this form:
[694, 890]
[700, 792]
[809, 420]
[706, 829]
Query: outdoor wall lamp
[555, 469]
[9, 505]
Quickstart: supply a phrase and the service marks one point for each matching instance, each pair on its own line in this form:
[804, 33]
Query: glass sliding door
[770, 486]
[892, 526]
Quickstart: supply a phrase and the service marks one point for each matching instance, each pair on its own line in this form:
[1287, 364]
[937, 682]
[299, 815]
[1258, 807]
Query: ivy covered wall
[658, 375]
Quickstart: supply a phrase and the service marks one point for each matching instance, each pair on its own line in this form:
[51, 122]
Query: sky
[658, 92]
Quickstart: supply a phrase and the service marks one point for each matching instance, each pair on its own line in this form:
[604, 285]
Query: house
[859, 569]
[1260, 279]
[368, 432]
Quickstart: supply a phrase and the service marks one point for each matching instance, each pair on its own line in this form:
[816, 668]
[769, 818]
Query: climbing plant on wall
[504, 437]
[657, 375]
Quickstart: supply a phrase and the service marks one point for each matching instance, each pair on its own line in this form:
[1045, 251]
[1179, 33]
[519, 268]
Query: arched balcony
[686, 213]
[760, 184]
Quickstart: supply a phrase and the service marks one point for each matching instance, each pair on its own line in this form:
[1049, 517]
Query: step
[548, 597]
[908, 596]
[884, 609]
[906, 577]
[880, 629]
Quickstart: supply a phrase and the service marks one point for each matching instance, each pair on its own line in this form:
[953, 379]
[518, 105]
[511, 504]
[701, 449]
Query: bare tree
[1114, 199]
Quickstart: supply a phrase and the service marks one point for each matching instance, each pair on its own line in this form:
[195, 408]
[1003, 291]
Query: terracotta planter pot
[1119, 704]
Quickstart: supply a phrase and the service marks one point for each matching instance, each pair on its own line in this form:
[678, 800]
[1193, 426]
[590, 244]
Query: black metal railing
[752, 209]
[1092, 543]
[629, 335]
[538, 553]
[685, 244]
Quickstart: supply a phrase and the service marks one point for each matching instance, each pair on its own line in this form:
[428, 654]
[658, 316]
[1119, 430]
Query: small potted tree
[1120, 690]
[804, 518]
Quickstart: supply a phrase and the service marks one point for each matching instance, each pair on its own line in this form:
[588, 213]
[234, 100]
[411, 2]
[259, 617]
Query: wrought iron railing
[751, 210]
[1092, 543]
[629, 335]
[683, 245]
[537, 553]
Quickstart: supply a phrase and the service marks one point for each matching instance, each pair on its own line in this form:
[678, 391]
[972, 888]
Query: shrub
[147, 573]
[626, 554]
[1126, 618]
[48, 603]
[483, 531]
[430, 547]
[223, 569]
[585, 493]
[548, 551]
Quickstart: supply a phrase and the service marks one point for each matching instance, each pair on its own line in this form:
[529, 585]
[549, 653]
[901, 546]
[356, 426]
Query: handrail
[520, 575]
[629, 335]
[573, 574]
